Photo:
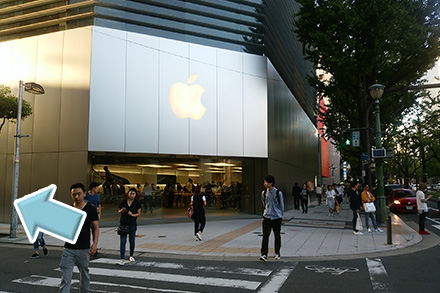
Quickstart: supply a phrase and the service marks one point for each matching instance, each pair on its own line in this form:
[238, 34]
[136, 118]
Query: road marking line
[378, 276]
[224, 270]
[432, 220]
[55, 282]
[163, 277]
[277, 280]
[436, 226]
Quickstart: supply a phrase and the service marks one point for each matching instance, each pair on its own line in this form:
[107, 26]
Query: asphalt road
[414, 271]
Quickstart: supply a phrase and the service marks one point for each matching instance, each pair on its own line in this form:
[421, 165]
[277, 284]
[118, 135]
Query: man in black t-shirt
[79, 253]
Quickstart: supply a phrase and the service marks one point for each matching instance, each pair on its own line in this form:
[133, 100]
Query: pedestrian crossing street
[153, 276]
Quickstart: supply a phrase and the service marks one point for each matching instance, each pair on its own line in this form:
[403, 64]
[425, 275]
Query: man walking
[273, 205]
[79, 253]
[296, 192]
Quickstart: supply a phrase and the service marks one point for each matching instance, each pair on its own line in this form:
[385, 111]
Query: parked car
[402, 200]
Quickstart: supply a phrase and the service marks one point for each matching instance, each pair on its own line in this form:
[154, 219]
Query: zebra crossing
[163, 276]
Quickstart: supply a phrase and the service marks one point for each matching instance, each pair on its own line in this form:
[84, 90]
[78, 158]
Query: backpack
[277, 197]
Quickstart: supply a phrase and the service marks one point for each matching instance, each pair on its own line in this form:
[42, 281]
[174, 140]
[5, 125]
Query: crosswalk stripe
[378, 276]
[277, 280]
[55, 282]
[223, 270]
[199, 280]
[436, 226]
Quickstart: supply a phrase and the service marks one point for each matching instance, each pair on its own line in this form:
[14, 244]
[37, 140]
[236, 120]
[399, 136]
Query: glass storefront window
[165, 185]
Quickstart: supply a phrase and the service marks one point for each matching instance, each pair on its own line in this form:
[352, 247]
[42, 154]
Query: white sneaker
[379, 230]
[277, 256]
[360, 233]
[132, 259]
[120, 263]
[369, 230]
[199, 236]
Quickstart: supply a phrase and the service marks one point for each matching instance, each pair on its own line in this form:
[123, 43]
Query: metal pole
[319, 161]
[381, 203]
[14, 218]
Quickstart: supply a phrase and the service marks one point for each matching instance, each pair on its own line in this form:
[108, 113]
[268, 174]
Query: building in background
[118, 75]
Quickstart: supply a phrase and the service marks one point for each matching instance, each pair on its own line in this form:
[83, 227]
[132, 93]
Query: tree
[9, 106]
[393, 42]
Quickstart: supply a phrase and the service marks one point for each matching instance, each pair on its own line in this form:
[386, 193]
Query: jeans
[305, 204]
[39, 242]
[373, 220]
[131, 238]
[70, 258]
[269, 225]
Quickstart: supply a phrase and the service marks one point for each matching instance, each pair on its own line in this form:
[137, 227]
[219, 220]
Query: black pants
[305, 204]
[422, 217]
[269, 225]
[296, 202]
[199, 223]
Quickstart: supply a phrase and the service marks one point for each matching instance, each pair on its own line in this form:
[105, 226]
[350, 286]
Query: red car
[402, 200]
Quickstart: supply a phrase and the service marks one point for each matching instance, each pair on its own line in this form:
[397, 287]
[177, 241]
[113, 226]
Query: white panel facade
[230, 113]
[255, 109]
[142, 105]
[107, 90]
[203, 132]
[174, 67]
[130, 111]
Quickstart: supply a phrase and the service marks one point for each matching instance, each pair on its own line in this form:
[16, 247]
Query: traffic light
[347, 138]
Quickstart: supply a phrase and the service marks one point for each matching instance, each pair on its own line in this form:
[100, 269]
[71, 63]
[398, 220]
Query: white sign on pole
[356, 138]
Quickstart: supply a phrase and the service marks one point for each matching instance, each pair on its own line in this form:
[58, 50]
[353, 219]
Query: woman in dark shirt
[198, 202]
[130, 209]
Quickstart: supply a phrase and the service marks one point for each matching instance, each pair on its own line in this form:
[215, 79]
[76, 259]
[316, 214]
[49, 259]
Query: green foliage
[9, 106]
[393, 42]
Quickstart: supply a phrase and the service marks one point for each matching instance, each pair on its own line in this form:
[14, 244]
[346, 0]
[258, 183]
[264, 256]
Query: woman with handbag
[198, 202]
[129, 208]
[369, 209]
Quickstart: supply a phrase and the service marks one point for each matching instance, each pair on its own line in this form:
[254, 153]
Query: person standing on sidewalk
[331, 201]
[129, 208]
[304, 198]
[422, 208]
[368, 197]
[273, 212]
[355, 205]
[198, 202]
[296, 193]
[319, 194]
[79, 253]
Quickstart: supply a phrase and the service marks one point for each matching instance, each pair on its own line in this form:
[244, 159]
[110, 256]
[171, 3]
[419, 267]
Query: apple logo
[186, 99]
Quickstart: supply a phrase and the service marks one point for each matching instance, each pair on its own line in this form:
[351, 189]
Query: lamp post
[35, 89]
[376, 92]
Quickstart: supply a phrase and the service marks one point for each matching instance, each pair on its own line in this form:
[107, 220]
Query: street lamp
[376, 92]
[36, 89]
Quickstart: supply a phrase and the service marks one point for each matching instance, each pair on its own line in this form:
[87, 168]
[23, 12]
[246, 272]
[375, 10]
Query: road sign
[379, 153]
[365, 156]
[356, 138]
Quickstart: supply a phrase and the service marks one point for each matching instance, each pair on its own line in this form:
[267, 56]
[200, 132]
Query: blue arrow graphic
[38, 211]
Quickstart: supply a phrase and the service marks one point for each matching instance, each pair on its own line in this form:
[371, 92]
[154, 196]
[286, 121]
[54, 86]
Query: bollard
[389, 231]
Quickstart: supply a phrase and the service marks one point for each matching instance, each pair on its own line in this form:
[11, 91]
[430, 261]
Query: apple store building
[168, 94]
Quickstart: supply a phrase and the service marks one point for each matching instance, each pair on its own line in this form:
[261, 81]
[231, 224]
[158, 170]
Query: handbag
[123, 229]
[369, 207]
[190, 212]
[359, 223]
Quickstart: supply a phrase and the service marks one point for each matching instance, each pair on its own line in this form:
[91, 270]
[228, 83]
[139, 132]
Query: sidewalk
[314, 234]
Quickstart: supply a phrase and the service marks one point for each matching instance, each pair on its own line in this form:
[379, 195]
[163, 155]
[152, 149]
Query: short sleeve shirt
[93, 199]
[126, 219]
[83, 241]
